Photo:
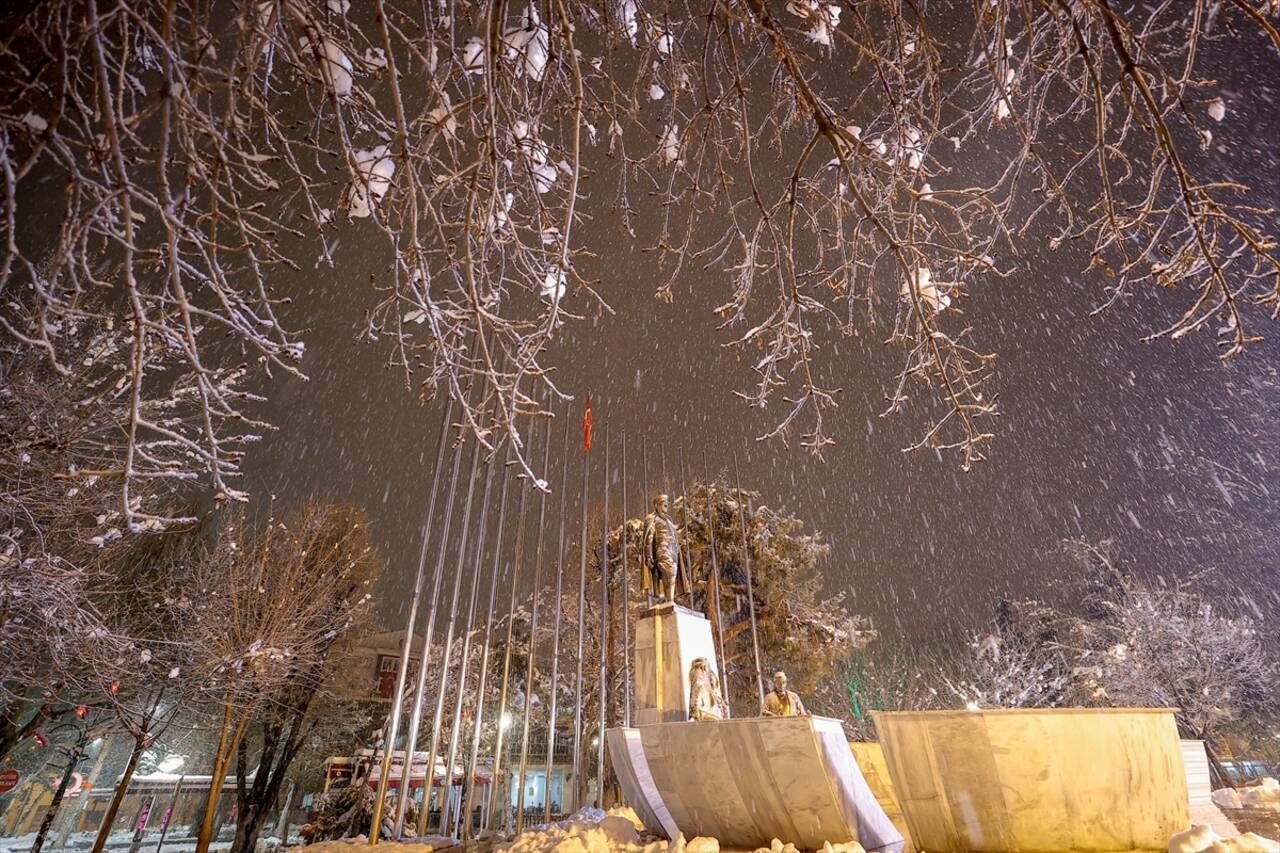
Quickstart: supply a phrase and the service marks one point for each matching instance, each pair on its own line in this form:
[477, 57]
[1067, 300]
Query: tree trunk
[228, 743]
[122, 788]
[281, 740]
[69, 826]
[253, 803]
[72, 760]
[1218, 772]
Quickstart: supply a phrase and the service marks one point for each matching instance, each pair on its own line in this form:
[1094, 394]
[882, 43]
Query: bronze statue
[704, 697]
[781, 702]
[661, 554]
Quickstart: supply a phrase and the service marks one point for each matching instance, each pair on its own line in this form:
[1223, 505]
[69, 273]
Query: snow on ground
[421, 844]
[620, 831]
[117, 842]
[1202, 839]
[1264, 794]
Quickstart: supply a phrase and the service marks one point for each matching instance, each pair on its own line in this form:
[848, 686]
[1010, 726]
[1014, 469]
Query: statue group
[705, 702]
[666, 574]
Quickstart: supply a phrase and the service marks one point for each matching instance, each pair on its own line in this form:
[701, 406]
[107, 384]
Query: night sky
[1157, 446]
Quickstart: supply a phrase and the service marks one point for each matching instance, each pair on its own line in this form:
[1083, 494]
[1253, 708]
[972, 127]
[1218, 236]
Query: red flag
[586, 427]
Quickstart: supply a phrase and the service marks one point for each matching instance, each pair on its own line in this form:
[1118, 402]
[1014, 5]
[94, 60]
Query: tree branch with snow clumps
[842, 168]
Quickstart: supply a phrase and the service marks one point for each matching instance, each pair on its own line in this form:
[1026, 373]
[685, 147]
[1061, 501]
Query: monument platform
[748, 781]
[669, 637]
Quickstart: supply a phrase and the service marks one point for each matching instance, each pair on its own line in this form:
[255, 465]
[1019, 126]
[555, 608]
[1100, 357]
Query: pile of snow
[375, 168]
[422, 844]
[587, 831]
[1202, 839]
[619, 830]
[1263, 794]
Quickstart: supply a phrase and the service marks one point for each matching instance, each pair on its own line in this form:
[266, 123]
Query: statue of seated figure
[704, 697]
[781, 702]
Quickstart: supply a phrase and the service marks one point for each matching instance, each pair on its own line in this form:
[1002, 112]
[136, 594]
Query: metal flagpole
[472, 764]
[626, 599]
[514, 580]
[715, 575]
[746, 559]
[424, 817]
[662, 458]
[464, 665]
[533, 635]
[415, 718]
[406, 648]
[686, 553]
[582, 616]
[557, 604]
[644, 499]
[604, 627]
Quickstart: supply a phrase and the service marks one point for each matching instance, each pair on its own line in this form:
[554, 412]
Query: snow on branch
[841, 170]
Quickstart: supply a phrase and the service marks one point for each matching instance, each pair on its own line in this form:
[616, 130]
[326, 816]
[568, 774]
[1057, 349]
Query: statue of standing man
[661, 553]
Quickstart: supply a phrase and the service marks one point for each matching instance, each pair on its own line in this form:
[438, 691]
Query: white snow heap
[335, 66]
[441, 116]
[527, 142]
[1217, 109]
[627, 17]
[620, 831]
[824, 18]
[1263, 794]
[669, 148]
[1202, 839]
[935, 294]
[473, 56]
[588, 831]
[498, 219]
[529, 45]
[553, 286]
[1003, 108]
[375, 168]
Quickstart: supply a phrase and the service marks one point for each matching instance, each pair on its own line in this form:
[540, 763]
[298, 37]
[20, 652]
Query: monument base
[669, 637]
[748, 781]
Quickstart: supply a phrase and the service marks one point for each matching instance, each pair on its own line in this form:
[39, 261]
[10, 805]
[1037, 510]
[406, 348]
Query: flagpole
[424, 655]
[464, 665]
[473, 763]
[715, 574]
[533, 638]
[578, 787]
[626, 599]
[514, 580]
[751, 598]
[604, 625]
[644, 466]
[424, 817]
[686, 553]
[558, 605]
[406, 647]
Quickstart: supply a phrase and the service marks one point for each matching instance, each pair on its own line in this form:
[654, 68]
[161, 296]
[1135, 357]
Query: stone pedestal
[668, 639]
[748, 781]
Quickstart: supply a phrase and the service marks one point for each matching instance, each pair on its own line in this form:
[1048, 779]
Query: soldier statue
[661, 554]
[781, 702]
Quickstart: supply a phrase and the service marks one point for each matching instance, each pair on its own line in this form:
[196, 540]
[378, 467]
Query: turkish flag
[586, 427]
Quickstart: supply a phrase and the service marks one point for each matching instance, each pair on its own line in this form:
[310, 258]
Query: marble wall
[1037, 780]
[748, 781]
